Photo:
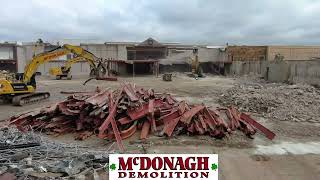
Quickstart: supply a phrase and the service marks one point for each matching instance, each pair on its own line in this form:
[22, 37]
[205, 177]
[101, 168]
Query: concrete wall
[294, 71]
[308, 72]
[279, 71]
[293, 52]
[246, 67]
[21, 59]
[6, 52]
[211, 55]
[183, 56]
[177, 56]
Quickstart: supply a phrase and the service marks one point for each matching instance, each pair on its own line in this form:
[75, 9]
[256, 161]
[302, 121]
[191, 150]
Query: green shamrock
[214, 166]
[113, 167]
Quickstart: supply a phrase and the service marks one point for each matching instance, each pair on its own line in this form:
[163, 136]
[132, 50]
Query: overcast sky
[214, 22]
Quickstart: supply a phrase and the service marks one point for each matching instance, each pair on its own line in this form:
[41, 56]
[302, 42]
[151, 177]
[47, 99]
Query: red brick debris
[120, 113]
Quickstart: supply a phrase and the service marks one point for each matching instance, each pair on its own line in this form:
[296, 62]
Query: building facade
[143, 54]
[140, 57]
[8, 57]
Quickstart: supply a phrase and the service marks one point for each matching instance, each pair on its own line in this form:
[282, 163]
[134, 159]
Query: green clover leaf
[113, 167]
[214, 166]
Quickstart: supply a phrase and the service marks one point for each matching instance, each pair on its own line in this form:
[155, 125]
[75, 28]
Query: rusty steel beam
[117, 134]
[145, 130]
[128, 89]
[99, 98]
[137, 113]
[125, 120]
[182, 107]
[233, 123]
[173, 115]
[187, 116]
[170, 126]
[151, 115]
[109, 119]
[198, 127]
[110, 78]
[203, 122]
[129, 132]
[269, 134]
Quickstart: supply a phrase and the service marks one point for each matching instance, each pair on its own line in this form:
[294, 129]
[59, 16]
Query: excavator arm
[72, 61]
[80, 52]
[41, 59]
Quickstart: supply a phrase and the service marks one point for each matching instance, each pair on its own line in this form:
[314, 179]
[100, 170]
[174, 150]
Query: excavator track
[24, 99]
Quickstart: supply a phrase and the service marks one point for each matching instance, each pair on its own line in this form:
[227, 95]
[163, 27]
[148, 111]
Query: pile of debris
[298, 103]
[29, 155]
[7, 75]
[119, 113]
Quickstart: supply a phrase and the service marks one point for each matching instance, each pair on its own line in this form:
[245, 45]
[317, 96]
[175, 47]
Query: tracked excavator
[65, 70]
[23, 90]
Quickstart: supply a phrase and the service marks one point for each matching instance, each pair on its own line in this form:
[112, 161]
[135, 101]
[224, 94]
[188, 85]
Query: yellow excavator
[65, 71]
[23, 90]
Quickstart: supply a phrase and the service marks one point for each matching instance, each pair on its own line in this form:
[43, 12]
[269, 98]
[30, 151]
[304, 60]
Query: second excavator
[65, 70]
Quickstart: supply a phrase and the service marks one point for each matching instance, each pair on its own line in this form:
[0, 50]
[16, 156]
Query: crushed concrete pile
[7, 75]
[299, 103]
[120, 113]
[29, 155]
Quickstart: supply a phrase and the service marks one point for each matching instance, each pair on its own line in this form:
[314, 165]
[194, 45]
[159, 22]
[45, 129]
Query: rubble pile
[30, 155]
[120, 113]
[298, 103]
[7, 75]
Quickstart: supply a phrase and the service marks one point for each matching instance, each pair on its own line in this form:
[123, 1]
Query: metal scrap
[118, 114]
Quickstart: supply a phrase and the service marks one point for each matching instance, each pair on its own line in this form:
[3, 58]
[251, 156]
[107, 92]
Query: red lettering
[190, 166]
[178, 174]
[194, 174]
[125, 165]
[168, 162]
[163, 175]
[145, 163]
[154, 174]
[204, 175]
[155, 165]
[203, 163]
[144, 175]
[131, 175]
[122, 174]
[135, 161]
[180, 163]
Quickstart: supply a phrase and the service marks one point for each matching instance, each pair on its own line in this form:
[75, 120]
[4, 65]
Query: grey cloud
[196, 21]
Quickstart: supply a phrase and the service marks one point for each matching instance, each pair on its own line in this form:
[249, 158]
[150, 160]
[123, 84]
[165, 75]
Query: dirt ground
[293, 154]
